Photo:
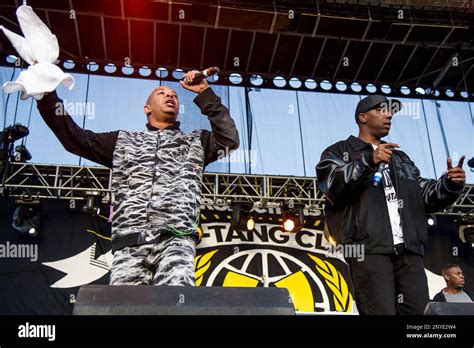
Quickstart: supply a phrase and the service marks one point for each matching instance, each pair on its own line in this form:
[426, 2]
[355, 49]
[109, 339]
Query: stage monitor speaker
[181, 300]
[449, 308]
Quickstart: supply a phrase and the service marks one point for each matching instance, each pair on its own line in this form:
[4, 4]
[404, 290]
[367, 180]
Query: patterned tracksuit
[168, 262]
[156, 188]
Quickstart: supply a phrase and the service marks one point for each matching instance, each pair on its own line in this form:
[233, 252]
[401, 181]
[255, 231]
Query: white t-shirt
[392, 204]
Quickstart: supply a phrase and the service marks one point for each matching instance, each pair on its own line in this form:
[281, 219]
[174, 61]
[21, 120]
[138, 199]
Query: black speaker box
[181, 300]
[449, 308]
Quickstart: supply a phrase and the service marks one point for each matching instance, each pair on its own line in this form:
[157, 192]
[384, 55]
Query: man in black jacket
[454, 290]
[388, 220]
[156, 181]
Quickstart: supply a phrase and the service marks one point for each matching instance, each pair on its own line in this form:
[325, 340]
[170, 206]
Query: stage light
[91, 206]
[16, 132]
[250, 224]
[7, 137]
[466, 233]
[26, 219]
[289, 224]
[328, 235]
[431, 220]
[92, 66]
[420, 90]
[241, 216]
[466, 229]
[69, 64]
[21, 154]
[332, 241]
[256, 80]
[292, 217]
[11, 58]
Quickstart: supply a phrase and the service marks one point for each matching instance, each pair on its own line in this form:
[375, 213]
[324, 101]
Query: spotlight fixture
[328, 236]
[7, 137]
[15, 132]
[431, 220]
[466, 229]
[250, 224]
[21, 154]
[292, 217]
[27, 218]
[91, 206]
[241, 216]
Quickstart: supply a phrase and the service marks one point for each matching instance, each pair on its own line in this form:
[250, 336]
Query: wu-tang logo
[264, 267]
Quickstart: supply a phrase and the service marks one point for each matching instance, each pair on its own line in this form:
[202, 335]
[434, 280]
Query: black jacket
[439, 297]
[356, 212]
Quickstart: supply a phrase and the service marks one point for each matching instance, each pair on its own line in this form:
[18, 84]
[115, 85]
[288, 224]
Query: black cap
[373, 101]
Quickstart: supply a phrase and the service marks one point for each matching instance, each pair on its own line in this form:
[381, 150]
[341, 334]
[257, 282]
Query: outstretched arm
[96, 147]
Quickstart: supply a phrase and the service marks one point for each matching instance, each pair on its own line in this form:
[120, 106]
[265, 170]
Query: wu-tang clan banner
[305, 263]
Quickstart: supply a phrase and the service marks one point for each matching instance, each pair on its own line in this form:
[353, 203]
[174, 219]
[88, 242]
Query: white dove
[40, 49]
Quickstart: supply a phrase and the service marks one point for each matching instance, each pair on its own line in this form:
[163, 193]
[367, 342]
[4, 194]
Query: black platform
[449, 308]
[170, 300]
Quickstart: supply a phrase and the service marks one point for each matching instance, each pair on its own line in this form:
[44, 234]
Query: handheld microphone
[202, 75]
[377, 178]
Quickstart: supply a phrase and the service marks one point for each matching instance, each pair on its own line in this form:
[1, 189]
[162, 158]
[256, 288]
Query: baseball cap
[372, 101]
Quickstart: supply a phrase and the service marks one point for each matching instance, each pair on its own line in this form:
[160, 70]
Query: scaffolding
[49, 181]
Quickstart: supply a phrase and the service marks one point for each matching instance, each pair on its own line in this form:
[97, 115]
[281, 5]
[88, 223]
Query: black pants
[390, 284]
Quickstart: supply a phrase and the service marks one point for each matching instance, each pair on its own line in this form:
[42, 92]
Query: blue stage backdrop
[282, 132]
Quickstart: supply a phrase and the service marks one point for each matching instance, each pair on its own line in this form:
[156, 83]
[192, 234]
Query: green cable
[178, 233]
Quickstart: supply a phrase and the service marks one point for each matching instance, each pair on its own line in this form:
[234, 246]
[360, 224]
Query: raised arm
[224, 136]
[96, 147]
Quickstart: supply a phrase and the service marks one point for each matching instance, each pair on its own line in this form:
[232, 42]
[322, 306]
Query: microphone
[202, 75]
[377, 178]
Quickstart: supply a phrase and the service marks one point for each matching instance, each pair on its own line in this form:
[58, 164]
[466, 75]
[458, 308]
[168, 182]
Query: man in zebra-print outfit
[156, 181]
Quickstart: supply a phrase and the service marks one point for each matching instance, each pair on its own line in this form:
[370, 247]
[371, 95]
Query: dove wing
[43, 43]
[21, 46]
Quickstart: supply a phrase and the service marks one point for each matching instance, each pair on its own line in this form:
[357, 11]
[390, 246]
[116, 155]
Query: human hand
[197, 87]
[456, 174]
[383, 153]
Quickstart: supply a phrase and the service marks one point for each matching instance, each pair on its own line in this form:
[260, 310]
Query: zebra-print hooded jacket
[156, 174]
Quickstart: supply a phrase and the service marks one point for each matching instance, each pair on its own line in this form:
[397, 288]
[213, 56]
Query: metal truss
[48, 181]
[263, 190]
[464, 204]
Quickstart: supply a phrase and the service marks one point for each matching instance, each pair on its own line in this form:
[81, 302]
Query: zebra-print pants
[168, 262]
